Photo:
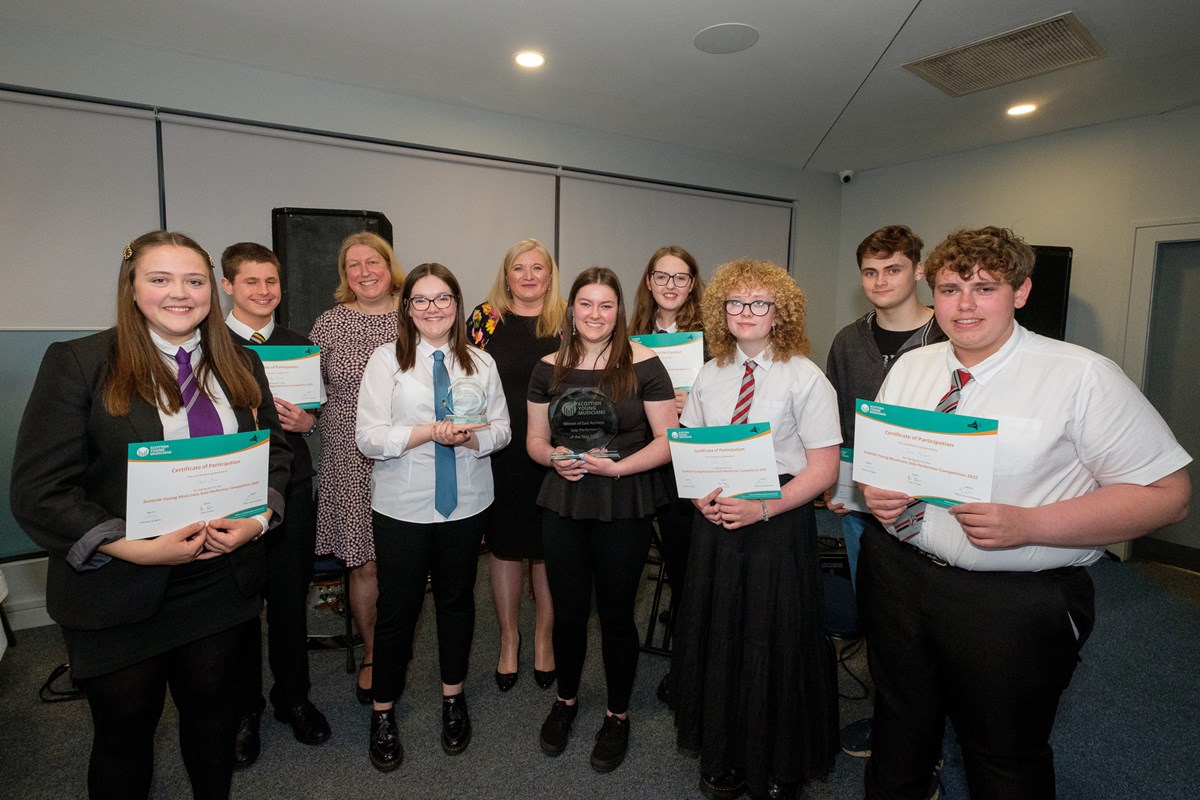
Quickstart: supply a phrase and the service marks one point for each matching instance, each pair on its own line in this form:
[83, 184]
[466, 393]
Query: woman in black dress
[142, 615]
[596, 517]
[517, 325]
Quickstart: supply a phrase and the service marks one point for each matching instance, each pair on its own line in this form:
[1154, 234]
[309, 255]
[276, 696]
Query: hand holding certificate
[738, 459]
[681, 353]
[181, 481]
[293, 371]
[944, 459]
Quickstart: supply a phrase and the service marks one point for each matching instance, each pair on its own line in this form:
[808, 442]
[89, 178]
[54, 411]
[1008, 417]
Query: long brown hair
[553, 307]
[406, 331]
[617, 378]
[137, 366]
[645, 310]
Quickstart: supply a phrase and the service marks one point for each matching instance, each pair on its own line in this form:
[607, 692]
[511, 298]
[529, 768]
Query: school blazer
[69, 481]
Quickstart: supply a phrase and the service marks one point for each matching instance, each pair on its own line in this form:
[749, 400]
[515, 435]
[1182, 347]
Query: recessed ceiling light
[728, 37]
[1023, 108]
[529, 59]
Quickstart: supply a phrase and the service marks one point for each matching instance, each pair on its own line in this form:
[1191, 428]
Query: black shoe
[364, 695]
[544, 679]
[309, 725]
[723, 786]
[247, 744]
[782, 791]
[507, 680]
[456, 724]
[664, 688]
[857, 737]
[612, 740]
[557, 727]
[385, 748]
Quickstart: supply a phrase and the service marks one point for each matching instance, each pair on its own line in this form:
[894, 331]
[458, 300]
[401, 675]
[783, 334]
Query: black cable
[49, 694]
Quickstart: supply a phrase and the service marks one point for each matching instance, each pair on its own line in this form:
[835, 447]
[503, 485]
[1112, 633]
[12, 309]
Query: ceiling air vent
[1035, 49]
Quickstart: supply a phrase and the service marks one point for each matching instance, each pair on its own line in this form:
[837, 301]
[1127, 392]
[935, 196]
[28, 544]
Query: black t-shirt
[889, 342]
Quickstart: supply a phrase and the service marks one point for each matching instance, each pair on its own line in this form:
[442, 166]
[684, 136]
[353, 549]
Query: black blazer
[69, 480]
[302, 469]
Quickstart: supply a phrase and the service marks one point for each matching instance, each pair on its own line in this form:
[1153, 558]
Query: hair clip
[210, 261]
[127, 253]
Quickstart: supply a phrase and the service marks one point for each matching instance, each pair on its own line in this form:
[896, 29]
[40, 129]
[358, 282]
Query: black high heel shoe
[364, 696]
[507, 680]
[544, 679]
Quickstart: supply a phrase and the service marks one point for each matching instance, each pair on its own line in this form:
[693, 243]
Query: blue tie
[445, 473]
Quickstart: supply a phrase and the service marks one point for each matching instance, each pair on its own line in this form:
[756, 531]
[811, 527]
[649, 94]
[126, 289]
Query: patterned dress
[346, 338]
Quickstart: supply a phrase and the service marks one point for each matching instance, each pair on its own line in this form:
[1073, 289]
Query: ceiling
[823, 88]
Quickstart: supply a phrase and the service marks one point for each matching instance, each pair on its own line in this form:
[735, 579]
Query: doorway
[1169, 368]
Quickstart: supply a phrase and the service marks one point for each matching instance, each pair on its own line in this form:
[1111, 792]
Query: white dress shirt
[391, 403]
[175, 426]
[793, 395]
[245, 331]
[1070, 421]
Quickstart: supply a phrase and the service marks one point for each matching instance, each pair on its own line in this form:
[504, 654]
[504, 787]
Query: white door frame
[1146, 238]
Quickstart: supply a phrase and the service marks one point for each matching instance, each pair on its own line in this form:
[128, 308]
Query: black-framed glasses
[758, 308]
[681, 280]
[422, 303]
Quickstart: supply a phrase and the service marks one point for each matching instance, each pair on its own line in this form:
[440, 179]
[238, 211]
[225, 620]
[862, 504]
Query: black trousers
[675, 531]
[127, 704]
[609, 556]
[405, 553]
[993, 651]
[290, 549]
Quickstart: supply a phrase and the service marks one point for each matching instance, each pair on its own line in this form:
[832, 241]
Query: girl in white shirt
[426, 522]
[752, 675]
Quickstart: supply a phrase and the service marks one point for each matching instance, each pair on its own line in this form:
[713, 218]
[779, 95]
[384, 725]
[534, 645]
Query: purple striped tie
[741, 410]
[203, 419]
[913, 517]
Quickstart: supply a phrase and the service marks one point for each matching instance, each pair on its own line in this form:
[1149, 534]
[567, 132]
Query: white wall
[32, 57]
[1084, 189]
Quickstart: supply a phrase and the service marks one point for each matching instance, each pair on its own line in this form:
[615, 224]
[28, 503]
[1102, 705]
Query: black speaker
[307, 241]
[1045, 311]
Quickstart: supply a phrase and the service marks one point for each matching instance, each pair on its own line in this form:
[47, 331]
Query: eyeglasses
[422, 303]
[758, 308]
[681, 280]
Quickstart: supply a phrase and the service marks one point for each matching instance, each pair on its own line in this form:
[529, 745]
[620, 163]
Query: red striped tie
[741, 411]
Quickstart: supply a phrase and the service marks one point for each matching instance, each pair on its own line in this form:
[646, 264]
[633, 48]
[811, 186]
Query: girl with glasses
[753, 681]
[668, 301]
[430, 487]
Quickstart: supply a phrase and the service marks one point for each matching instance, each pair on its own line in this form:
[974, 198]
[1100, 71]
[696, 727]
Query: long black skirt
[753, 678]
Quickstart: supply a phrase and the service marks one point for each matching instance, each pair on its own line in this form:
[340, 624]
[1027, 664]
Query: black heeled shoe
[544, 679]
[507, 680]
[364, 696]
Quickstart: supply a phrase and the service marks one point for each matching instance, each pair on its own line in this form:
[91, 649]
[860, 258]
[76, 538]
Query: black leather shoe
[364, 695]
[612, 740]
[782, 791]
[723, 786]
[456, 724]
[309, 726]
[385, 748]
[247, 744]
[664, 688]
[557, 727]
[506, 680]
[544, 679]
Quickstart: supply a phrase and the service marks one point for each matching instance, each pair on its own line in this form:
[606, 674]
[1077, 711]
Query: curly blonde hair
[788, 338]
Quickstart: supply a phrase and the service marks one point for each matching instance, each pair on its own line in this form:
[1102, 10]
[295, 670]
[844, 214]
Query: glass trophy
[466, 402]
[584, 420]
